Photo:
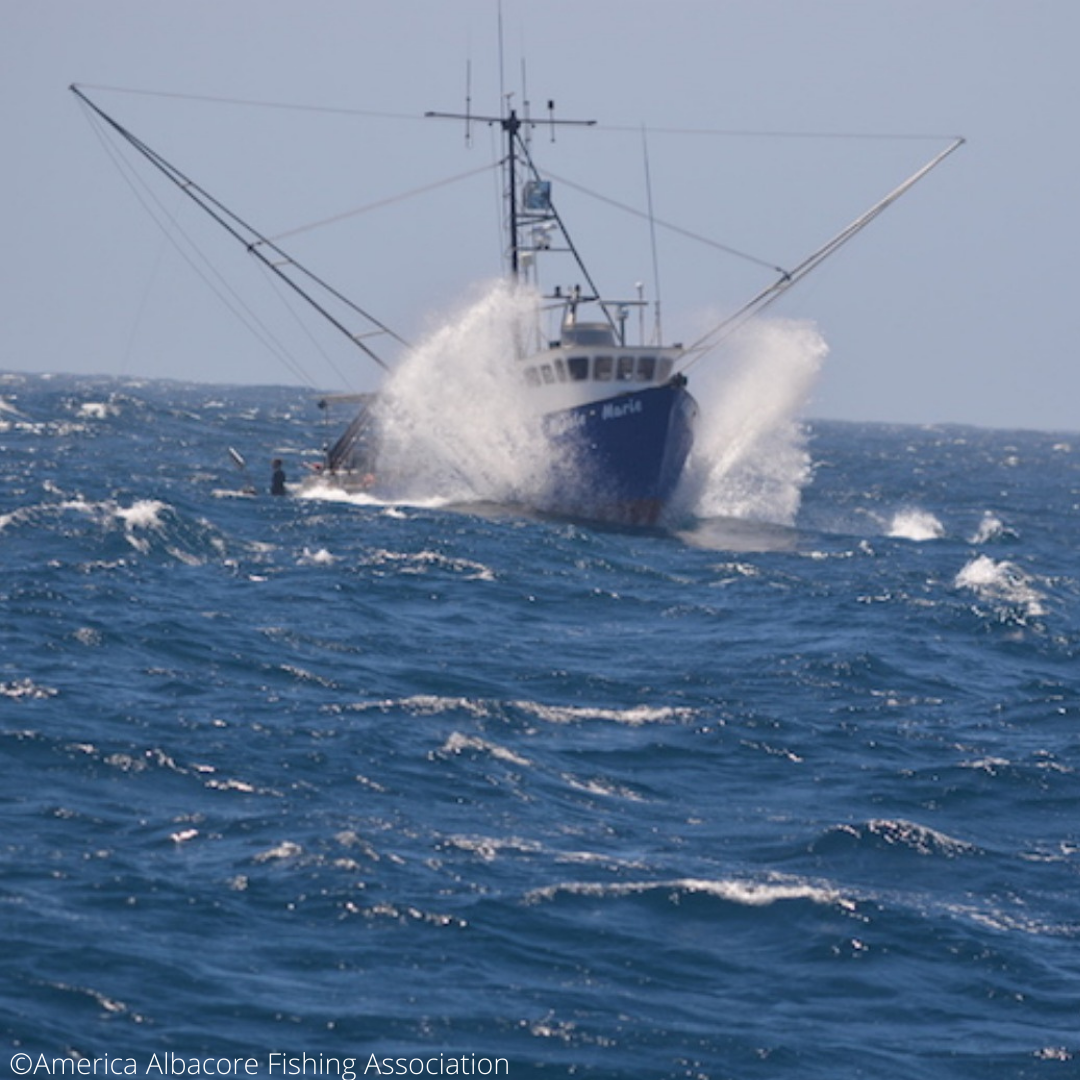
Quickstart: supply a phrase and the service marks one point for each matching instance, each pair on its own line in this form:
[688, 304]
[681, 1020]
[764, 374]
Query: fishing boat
[616, 416]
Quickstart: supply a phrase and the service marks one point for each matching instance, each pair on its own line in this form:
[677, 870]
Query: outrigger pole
[247, 235]
[773, 292]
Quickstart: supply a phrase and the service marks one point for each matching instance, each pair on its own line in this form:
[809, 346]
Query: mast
[512, 125]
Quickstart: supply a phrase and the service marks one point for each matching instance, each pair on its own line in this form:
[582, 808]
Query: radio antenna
[468, 103]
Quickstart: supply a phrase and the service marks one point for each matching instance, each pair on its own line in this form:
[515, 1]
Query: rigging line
[527, 158]
[744, 133]
[773, 292]
[305, 329]
[669, 226]
[233, 224]
[381, 203]
[377, 114]
[237, 306]
[250, 102]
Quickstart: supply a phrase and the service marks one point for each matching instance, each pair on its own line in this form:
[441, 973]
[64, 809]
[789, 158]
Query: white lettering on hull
[615, 411]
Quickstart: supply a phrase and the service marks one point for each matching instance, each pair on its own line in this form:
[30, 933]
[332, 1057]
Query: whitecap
[427, 705]
[232, 785]
[489, 848]
[26, 690]
[915, 524]
[322, 557]
[142, 514]
[1001, 583]
[997, 918]
[634, 716]
[990, 528]
[457, 743]
[285, 850]
[97, 410]
[185, 557]
[1053, 1053]
[905, 835]
[744, 892]
[421, 562]
[916, 837]
[599, 786]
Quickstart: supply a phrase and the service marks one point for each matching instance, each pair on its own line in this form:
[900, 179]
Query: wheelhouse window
[546, 373]
[603, 367]
[625, 368]
[646, 368]
[560, 369]
[578, 366]
[532, 376]
[664, 371]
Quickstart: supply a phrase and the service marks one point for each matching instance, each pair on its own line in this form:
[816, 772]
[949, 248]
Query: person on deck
[277, 480]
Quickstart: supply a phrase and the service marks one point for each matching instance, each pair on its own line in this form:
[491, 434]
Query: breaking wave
[1003, 585]
[744, 893]
[918, 525]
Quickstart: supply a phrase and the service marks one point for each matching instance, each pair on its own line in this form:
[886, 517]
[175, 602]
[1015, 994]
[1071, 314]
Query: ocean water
[312, 786]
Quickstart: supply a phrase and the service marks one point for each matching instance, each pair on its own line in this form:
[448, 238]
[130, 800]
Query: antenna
[526, 105]
[468, 103]
[517, 146]
[551, 118]
[502, 78]
[652, 231]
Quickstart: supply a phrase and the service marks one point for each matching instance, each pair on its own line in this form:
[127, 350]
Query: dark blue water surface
[461, 786]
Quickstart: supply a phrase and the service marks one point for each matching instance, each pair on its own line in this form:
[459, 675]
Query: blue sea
[314, 787]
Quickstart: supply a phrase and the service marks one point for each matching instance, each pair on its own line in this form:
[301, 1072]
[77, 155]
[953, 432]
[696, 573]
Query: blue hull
[620, 459]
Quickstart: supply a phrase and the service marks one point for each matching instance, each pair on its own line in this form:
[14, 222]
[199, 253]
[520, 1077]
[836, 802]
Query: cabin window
[664, 369]
[547, 374]
[578, 366]
[625, 369]
[532, 376]
[646, 368]
[602, 368]
[560, 369]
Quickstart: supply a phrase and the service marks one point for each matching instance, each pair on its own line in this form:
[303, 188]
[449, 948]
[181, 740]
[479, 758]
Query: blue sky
[956, 306]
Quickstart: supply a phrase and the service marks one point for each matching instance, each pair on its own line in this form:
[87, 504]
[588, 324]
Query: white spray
[454, 418]
[750, 459]
[456, 424]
